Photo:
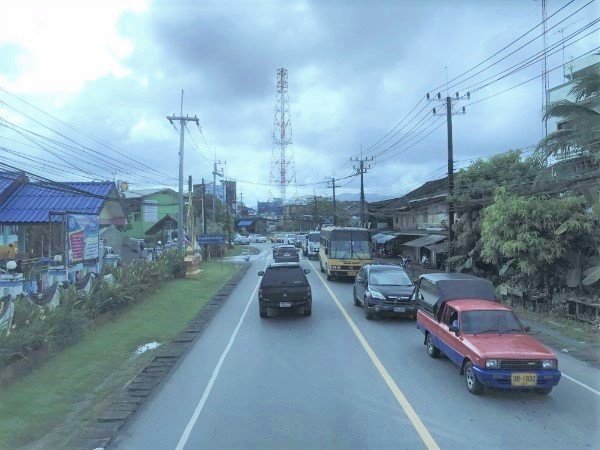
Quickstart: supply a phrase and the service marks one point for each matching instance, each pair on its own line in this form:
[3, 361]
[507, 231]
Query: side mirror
[307, 271]
[454, 329]
[527, 328]
[261, 273]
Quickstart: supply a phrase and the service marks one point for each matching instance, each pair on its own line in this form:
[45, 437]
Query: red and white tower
[283, 171]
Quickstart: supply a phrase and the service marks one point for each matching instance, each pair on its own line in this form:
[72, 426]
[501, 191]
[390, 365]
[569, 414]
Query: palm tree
[581, 135]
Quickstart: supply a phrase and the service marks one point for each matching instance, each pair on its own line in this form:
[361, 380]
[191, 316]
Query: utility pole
[215, 173]
[361, 169]
[203, 194]
[316, 206]
[182, 120]
[333, 186]
[190, 214]
[449, 113]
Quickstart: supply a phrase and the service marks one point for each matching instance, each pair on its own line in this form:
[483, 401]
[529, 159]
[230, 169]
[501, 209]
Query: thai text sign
[83, 234]
[211, 239]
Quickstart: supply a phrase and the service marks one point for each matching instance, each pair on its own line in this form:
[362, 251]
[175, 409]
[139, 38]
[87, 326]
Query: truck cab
[461, 318]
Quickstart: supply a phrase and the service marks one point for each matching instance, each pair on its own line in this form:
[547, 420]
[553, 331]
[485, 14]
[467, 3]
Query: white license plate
[352, 273]
[285, 305]
[287, 254]
[399, 309]
[523, 379]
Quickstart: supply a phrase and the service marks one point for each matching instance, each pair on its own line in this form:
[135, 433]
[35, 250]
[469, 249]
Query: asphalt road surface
[336, 380]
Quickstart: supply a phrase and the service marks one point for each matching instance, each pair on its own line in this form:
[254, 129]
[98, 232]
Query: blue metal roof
[32, 202]
[244, 223]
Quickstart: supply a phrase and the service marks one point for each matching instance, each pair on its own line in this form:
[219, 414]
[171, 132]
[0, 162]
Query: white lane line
[581, 384]
[188, 429]
[400, 397]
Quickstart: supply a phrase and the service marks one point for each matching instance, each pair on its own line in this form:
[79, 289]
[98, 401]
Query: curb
[127, 400]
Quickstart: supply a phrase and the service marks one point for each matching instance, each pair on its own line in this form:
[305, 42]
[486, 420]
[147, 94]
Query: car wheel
[307, 311]
[368, 313]
[543, 391]
[321, 265]
[356, 300]
[432, 350]
[473, 384]
[264, 313]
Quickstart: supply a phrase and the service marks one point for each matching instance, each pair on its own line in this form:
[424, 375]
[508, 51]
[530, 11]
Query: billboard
[82, 236]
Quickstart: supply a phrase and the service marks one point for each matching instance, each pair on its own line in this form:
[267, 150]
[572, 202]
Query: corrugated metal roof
[244, 223]
[425, 240]
[31, 202]
[6, 179]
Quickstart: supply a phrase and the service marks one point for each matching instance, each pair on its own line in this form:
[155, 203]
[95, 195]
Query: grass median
[53, 403]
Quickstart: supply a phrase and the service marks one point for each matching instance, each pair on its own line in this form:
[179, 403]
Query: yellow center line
[400, 397]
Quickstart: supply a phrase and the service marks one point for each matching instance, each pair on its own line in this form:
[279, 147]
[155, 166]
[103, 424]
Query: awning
[438, 248]
[425, 240]
[244, 223]
[382, 238]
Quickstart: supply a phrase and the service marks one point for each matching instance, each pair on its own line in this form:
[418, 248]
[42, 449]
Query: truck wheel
[473, 384]
[263, 312]
[321, 265]
[328, 276]
[307, 311]
[356, 300]
[543, 391]
[432, 350]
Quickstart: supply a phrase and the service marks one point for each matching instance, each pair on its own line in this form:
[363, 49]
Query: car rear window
[283, 250]
[277, 276]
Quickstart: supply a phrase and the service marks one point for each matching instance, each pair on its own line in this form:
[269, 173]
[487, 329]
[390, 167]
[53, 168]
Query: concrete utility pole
[182, 120]
[333, 186]
[215, 173]
[191, 227]
[203, 193]
[449, 113]
[361, 169]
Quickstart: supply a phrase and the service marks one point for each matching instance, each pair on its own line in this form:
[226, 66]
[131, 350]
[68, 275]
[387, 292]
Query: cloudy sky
[114, 70]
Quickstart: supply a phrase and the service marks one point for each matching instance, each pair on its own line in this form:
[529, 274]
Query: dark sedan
[384, 289]
[286, 253]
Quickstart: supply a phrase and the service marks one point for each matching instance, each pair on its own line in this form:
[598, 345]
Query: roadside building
[147, 207]
[415, 224]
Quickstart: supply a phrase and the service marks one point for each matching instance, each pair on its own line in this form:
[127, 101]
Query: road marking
[188, 429]
[581, 384]
[404, 403]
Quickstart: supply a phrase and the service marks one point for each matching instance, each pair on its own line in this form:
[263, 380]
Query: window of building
[137, 217]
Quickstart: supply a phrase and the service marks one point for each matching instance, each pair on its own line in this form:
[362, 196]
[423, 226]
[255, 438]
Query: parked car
[461, 318]
[286, 253]
[284, 286]
[260, 238]
[384, 289]
[253, 238]
[241, 240]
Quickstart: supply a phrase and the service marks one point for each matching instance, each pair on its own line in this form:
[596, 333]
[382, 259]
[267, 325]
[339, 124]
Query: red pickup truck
[461, 318]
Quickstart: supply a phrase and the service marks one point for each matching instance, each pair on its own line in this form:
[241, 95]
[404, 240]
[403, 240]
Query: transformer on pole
[283, 170]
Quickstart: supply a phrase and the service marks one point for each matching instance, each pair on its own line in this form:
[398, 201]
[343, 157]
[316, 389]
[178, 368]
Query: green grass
[70, 389]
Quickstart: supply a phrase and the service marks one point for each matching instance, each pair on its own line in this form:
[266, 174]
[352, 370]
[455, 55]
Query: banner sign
[83, 236]
[211, 239]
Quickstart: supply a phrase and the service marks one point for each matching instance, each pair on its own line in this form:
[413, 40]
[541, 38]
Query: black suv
[384, 289]
[284, 286]
[286, 253]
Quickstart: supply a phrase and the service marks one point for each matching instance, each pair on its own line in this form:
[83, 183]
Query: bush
[34, 328]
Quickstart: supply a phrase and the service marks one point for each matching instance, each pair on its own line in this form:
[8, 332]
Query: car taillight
[260, 293]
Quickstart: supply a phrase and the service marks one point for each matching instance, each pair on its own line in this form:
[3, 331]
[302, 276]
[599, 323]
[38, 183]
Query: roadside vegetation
[55, 401]
[532, 219]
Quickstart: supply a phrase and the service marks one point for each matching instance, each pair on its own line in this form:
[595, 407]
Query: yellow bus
[344, 251]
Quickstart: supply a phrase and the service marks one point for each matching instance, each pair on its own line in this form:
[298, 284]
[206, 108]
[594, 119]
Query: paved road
[336, 380]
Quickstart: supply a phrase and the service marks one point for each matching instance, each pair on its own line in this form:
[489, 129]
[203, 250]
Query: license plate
[352, 273]
[523, 379]
[399, 309]
[285, 305]
[287, 254]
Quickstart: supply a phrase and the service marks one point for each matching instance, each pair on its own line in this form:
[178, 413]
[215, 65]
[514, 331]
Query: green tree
[520, 231]
[582, 131]
[474, 189]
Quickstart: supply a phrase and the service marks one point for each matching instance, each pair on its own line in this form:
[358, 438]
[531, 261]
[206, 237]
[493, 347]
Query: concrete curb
[127, 400]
